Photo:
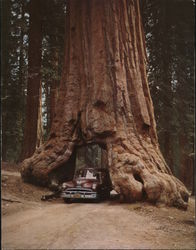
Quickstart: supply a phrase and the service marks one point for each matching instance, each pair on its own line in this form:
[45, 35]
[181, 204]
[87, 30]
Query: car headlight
[94, 186]
[64, 185]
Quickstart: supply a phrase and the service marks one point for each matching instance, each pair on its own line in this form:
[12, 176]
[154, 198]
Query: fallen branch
[10, 200]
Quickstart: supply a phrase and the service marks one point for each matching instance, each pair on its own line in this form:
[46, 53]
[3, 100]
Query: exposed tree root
[10, 200]
[42, 166]
[137, 180]
[134, 177]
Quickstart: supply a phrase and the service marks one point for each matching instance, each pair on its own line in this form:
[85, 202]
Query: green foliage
[14, 68]
[15, 28]
[169, 28]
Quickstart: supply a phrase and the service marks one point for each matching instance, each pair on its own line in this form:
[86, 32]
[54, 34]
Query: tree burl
[104, 98]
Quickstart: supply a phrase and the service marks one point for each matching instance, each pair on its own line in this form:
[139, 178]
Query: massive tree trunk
[104, 98]
[34, 79]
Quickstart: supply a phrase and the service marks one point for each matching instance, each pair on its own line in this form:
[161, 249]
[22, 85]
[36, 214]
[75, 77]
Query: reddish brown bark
[34, 79]
[186, 165]
[39, 121]
[168, 149]
[104, 98]
[104, 158]
[53, 88]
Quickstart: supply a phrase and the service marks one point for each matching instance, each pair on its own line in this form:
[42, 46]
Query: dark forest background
[32, 61]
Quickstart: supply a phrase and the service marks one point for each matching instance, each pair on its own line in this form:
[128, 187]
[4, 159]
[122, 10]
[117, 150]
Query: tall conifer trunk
[104, 98]
[34, 79]
[6, 20]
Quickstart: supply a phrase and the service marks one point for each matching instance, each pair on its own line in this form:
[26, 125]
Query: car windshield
[87, 174]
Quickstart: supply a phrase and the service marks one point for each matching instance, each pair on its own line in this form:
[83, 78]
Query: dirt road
[108, 225]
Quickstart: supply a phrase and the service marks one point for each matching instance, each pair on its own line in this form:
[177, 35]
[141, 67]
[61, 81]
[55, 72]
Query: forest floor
[29, 223]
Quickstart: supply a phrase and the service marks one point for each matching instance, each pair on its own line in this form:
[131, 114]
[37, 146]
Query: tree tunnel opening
[91, 155]
[88, 155]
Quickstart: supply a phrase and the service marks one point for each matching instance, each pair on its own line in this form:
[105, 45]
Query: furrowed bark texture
[105, 99]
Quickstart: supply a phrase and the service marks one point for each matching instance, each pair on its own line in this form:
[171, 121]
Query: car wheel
[67, 200]
[107, 195]
[97, 200]
[43, 198]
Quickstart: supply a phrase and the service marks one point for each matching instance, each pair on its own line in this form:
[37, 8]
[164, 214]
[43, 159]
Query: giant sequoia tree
[104, 99]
